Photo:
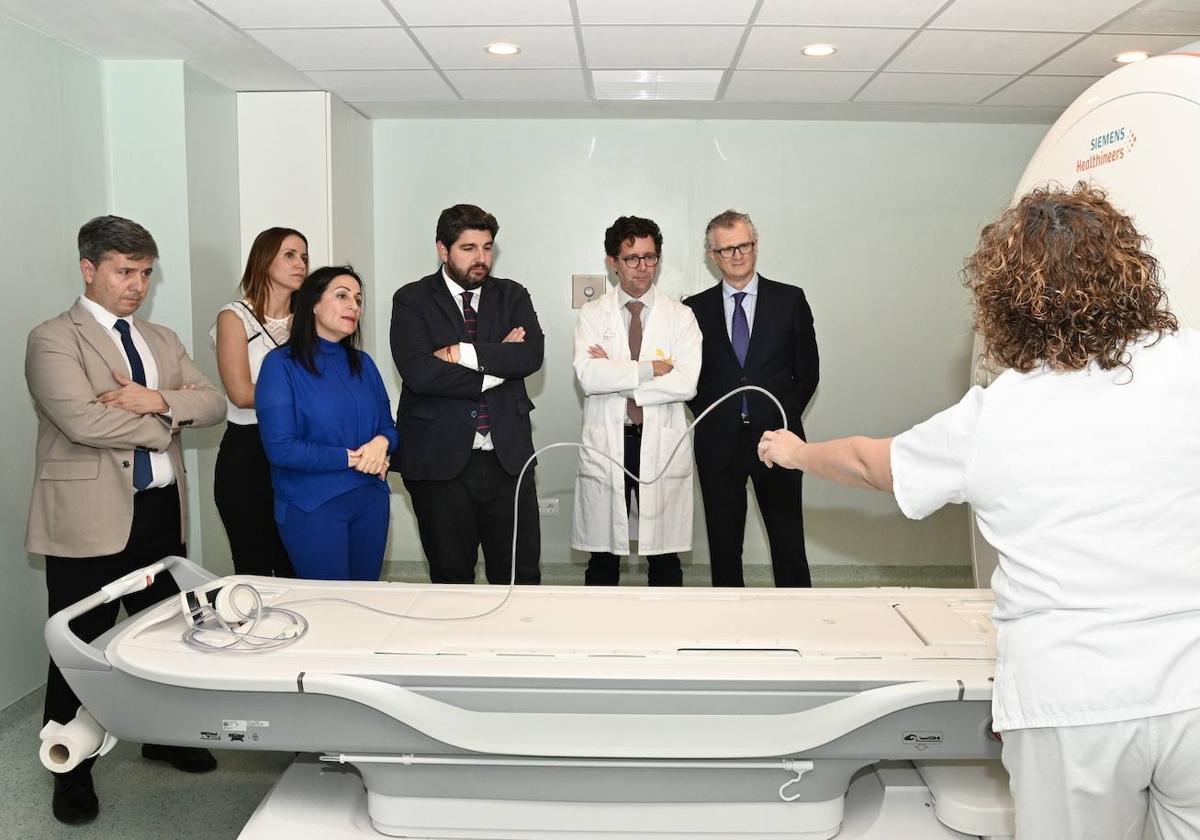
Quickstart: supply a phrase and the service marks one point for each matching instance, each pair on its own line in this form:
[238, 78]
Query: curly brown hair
[1063, 279]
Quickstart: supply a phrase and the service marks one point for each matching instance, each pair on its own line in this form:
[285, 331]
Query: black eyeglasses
[725, 253]
[633, 260]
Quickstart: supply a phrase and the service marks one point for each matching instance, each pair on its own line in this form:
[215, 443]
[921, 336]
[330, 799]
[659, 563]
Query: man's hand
[449, 353]
[597, 352]
[134, 398]
[781, 447]
[515, 336]
[662, 368]
[372, 457]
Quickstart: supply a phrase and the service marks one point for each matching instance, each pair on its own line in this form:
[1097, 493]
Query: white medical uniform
[1088, 485]
[670, 333]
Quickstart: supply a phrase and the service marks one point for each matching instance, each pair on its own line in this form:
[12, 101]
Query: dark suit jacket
[782, 358]
[438, 399]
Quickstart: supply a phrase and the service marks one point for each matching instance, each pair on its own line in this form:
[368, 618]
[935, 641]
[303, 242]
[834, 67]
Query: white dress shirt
[161, 468]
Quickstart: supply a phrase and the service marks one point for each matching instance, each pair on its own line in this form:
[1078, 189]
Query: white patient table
[861, 714]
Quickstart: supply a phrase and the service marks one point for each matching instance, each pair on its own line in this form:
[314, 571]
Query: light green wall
[148, 160]
[210, 122]
[151, 140]
[173, 136]
[871, 219]
[53, 177]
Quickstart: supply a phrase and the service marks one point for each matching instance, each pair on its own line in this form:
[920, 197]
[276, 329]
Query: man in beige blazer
[111, 393]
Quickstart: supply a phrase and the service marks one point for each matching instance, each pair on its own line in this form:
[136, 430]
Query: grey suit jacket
[82, 504]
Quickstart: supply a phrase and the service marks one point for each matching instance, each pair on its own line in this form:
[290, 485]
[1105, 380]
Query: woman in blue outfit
[328, 432]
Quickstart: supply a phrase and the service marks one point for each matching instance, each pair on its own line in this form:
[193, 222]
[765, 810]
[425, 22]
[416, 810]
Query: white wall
[872, 219]
[283, 167]
[352, 200]
[54, 177]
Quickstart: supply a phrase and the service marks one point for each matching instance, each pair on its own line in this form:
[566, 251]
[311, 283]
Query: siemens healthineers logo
[1106, 148]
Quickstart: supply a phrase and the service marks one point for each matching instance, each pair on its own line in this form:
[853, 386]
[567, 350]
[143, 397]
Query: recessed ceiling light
[819, 50]
[501, 48]
[1131, 56]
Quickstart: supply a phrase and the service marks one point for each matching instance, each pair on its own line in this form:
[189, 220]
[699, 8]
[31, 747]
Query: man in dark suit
[756, 332]
[111, 393]
[464, 341]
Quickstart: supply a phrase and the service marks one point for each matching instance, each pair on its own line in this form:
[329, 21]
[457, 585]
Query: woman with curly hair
[1082, 460]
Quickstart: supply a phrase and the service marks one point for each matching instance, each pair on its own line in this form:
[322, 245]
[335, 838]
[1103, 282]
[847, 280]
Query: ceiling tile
[1160, 17]
[282, 14]
[793, 86]
[483, 12]
[461, 47]
[910, 13]
[664, 11]
[1093, 56]
[343, 49]
[1043, 90]
[385, 85]
[643, 47]
[647, 85]
[778, 47]
[931, 87]
[945, 51]
[1030, 15]
[519, 85]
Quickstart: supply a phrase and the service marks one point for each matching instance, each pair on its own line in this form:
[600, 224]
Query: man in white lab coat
[637, 357]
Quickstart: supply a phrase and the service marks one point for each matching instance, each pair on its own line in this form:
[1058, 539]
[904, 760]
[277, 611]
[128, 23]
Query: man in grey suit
[111, 394]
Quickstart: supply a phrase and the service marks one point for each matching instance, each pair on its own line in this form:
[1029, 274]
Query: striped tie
[482, 425]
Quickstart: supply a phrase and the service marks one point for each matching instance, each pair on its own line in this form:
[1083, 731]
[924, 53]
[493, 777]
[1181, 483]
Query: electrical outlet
[587, 287]
[548, 507]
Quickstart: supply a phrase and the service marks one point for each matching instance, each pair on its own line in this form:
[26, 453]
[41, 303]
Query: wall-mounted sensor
[587, 287]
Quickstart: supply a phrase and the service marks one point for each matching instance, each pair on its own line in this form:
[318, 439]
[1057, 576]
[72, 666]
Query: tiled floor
[141, 800]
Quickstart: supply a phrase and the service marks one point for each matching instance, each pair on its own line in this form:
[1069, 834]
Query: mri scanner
[551, 712]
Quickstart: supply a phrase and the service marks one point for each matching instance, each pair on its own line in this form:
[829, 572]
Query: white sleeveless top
[261, 339]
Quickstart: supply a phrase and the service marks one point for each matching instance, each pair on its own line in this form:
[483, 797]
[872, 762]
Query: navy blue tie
[739, 334]
[142, 474]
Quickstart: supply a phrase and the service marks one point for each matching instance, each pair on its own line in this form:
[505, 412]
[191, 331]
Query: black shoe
[75, 799]
[187, 759]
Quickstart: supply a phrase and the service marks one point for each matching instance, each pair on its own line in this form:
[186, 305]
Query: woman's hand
[372, 457]
[781, 448]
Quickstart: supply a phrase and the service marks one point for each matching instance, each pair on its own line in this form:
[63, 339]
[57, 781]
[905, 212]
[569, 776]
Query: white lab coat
[600, 521]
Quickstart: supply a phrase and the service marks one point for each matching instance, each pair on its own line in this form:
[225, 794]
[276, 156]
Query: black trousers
[246, 502]
[153, 536]
[604, 568]
[779, 494]
[457, 516]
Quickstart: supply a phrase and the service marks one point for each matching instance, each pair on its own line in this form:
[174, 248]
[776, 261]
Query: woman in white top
[246, 330]
[1082, 461]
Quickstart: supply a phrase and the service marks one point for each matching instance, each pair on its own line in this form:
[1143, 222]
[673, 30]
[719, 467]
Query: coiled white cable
[236, 639]
[245, 641]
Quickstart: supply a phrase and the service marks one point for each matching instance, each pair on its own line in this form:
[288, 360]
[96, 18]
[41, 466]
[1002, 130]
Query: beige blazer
[82, 504]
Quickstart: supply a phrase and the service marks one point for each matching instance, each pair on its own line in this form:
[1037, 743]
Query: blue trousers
[343, 539]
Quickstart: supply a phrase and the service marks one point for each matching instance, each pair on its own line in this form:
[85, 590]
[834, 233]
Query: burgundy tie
[635, 307]
[482, 425]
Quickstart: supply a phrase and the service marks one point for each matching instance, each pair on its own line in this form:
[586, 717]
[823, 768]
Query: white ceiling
[973, 60]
